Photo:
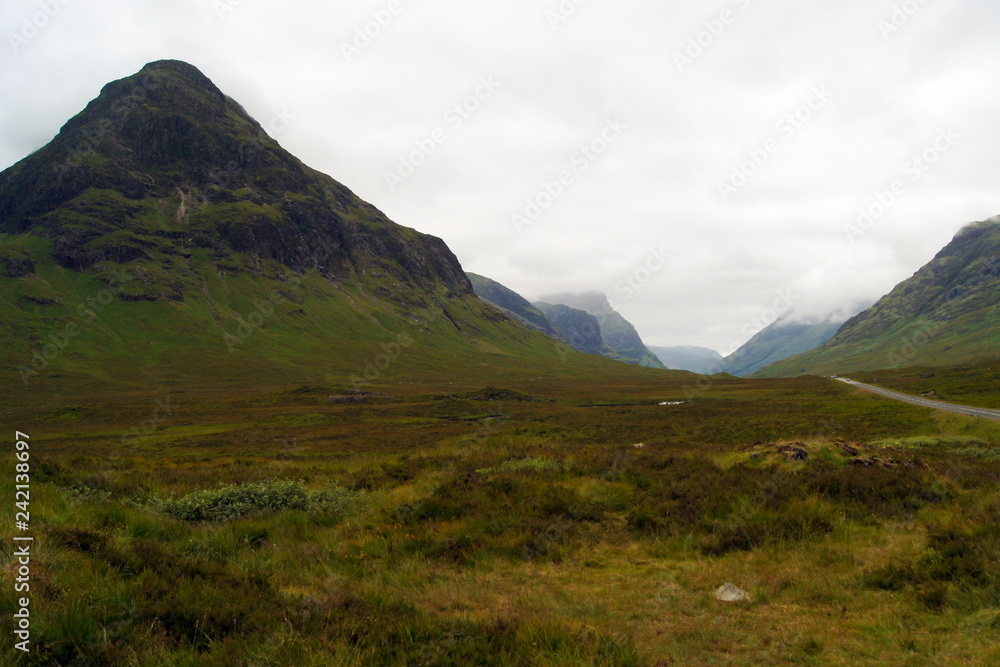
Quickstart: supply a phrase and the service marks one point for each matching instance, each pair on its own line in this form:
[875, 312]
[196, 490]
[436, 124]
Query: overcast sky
[702, 163]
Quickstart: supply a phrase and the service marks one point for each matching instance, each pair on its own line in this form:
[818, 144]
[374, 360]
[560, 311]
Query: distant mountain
[617, 332]
[577, 327]
[163, 235]
[948, 312]
[514, 305]
[688, 358]
[776, 342]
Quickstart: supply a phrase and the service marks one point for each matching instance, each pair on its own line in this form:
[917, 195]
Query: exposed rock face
[513, 304]
[163, 161]
[579, 327]
[618, 333]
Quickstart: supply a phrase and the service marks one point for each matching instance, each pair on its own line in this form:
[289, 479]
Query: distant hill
[515, 305]
[946, 313]
[163, 236]
[618, 333]
[689, 358]
[776, 342]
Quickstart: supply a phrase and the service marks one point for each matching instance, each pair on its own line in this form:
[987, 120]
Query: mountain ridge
[618, 333]
[947, 312]
[163, 237]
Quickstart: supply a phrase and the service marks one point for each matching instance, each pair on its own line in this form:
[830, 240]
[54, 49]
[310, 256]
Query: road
[926, 402]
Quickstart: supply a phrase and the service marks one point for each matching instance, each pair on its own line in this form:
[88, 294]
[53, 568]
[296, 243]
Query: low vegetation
[476, 527]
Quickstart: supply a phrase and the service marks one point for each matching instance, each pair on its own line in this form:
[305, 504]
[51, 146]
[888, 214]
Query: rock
[730, 593]
[360, 397]
[868, 460]
[794, 453]
[850, 450]
[347, 399]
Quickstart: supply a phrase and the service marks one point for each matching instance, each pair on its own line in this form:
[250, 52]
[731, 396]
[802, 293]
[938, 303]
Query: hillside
[946, 313]
[162, 236]
[780, 340]
[617, 332]
[514, 305]
[578, 328]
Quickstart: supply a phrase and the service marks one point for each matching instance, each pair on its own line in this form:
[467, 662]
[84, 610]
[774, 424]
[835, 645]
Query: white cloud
[657, 185]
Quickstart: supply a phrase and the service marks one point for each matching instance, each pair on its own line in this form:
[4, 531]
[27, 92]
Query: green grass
[456, 523]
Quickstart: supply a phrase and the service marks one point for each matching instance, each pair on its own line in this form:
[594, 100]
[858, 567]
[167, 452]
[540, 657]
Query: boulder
[794, 453]
[729, 593]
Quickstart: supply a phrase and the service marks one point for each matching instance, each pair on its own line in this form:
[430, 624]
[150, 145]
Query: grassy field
[547, 522]
[976, 384]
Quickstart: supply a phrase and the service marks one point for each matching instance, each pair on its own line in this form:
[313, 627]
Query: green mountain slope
[162, 237]
[947, 313]
[780, 340]
[514, 305]
[617, 332]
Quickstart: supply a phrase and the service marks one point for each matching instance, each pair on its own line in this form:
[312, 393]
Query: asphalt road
[926, 402]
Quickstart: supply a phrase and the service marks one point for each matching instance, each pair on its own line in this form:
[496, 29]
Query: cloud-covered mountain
[947, 312]
[689, 358]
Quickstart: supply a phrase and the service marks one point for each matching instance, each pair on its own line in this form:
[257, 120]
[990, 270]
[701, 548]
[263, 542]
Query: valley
[549, 521]
[264, 424]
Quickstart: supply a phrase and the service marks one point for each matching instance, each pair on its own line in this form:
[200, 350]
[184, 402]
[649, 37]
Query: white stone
[729, 593]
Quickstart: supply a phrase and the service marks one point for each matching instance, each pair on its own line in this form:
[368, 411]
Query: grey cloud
[658, 184]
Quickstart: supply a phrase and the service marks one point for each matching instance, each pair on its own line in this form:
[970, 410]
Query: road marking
[925, 403]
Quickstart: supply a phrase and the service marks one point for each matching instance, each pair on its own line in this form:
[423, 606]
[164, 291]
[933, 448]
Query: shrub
[530, 463]
[235, 500]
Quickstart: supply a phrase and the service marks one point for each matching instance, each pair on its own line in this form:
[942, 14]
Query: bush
[235, 500]
[530, 463]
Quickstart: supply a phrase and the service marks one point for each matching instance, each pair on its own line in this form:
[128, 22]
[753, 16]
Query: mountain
[163, 236]
[617, 332]
[688, 358]
[778, 341]
[514, 305]
[577, 327]
[948, 312]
